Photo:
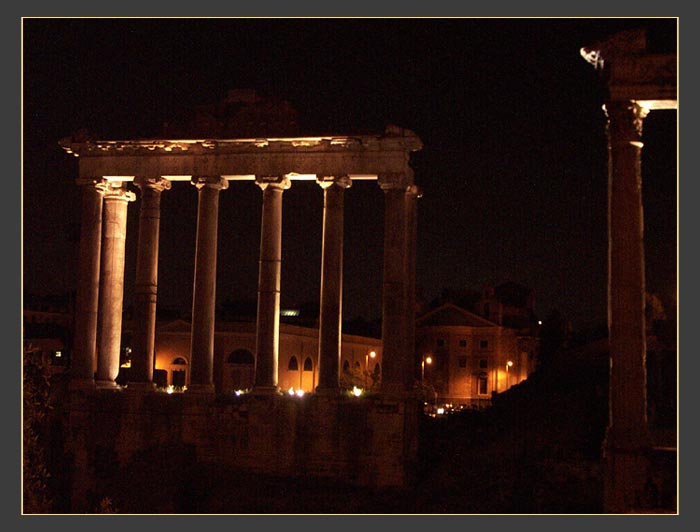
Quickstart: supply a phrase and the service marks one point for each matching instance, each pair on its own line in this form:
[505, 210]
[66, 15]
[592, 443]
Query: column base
[328, 391]
[107, 385]
[141, 387]
[265, 390]
[201, 389]
[627, 480]
[81, 385]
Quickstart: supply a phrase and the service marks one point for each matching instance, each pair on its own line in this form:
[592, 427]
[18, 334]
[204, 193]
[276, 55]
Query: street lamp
[426, 360]
[509, 364]
[371, 354]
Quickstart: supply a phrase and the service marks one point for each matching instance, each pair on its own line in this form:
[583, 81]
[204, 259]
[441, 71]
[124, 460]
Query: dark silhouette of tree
[554, 336]
[36, 497]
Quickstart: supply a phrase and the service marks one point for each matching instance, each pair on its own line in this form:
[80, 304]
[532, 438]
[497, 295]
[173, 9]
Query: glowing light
[238, 392]
[58, 354]
[372, 354]
[177, 177]
[441, 410]
[357, 392]
[118, 178]
[428, 360]
[539, 322]
[300, 393]
[291, 390]
[170, 389]
[509, 363]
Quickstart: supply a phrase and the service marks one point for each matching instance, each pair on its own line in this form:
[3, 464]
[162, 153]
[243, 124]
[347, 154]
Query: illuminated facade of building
[234, 360]
[466, 358]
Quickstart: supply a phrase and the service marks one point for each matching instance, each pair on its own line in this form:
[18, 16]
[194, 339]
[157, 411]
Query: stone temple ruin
[270, 432]
[265, 431]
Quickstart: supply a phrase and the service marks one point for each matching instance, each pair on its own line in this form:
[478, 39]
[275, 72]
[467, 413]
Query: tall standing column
[146, 288]
[412, 195]
[397, 365]
[204, 291]
[331, 308]
[84, 360]
[627, 438]
[268, 320]
[116, 200]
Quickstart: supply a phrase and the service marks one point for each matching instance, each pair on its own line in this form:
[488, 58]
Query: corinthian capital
[625, 121]
[342, 181]
[283, 182]
[159, 184]
[116, 190]
[215, 182]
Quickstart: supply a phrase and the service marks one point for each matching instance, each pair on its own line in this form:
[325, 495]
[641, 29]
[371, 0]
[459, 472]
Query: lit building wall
[470, 358]
[234, 352]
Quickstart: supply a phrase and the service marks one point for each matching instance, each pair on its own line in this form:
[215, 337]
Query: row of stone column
[100, 289]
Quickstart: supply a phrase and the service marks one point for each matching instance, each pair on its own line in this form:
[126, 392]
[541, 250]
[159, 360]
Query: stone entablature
[303, 158]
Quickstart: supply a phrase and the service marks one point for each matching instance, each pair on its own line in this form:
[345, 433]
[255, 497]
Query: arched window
[241, 356]
[308, 364]
[179, 361]
[346, 366]
[293, 364]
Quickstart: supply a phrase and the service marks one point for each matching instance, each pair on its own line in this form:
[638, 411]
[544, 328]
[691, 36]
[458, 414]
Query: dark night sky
[513, 168]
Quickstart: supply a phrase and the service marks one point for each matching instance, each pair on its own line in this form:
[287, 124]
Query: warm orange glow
[372, 354]
[509, 363]
[428, 360]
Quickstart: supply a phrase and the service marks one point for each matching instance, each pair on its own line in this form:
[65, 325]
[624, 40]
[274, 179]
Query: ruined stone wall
[120, 442]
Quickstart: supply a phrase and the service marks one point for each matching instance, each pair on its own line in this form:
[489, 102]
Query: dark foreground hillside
[537, 450]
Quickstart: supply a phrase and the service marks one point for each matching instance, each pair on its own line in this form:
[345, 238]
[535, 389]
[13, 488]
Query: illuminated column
[116, 200]
[146, 282]
[412, 195]
[331, 310]
[268, 320]
[83, 362]
[204, 291]
[627, 438]
[397, 366]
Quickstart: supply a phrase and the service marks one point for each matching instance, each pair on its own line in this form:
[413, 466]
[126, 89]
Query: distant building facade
[466, 357]
[234, 358]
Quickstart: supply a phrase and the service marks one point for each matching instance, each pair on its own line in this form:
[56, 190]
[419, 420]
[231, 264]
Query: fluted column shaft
[627, 436]
[146, 288]
[331, 305]
[204, 290]
[398, 364]
[116, 200]
[84, 360]
[267, 325]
